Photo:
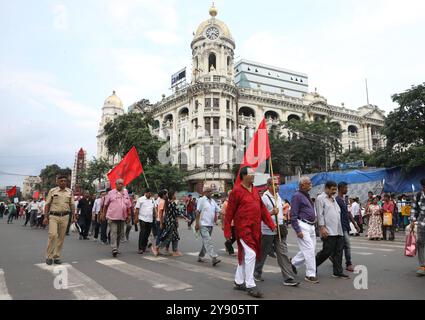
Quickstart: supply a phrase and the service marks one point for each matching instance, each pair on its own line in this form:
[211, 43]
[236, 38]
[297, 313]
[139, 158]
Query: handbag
[410, 247]
[388, 219]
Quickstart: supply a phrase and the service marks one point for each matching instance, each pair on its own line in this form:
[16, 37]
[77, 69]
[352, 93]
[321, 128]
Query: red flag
[128, 169]
[258, 150]
[11, 192]
[36, 194]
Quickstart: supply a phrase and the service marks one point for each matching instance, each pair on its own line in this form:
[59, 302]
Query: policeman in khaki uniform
[59, 205]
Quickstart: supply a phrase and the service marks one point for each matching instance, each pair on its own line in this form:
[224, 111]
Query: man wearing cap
[59, 206]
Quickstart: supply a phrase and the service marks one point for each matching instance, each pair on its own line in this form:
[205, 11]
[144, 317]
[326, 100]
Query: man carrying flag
[247, 210]
[117, 203]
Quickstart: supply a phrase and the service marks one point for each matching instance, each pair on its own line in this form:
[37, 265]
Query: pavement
[92, 273]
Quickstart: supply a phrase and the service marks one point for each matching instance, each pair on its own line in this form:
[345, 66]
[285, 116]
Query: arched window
[353, 130]
[271, 114]
[247, 112]
[294, 117]
[212, 62]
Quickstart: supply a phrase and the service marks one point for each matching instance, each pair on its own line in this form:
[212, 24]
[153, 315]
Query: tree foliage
[404, 130]
[308, 146]
[49, 174]
[131, 130]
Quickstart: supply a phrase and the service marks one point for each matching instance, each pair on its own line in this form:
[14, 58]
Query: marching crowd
[258, 222]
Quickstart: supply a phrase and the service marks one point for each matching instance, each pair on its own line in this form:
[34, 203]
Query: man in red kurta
[247, 211]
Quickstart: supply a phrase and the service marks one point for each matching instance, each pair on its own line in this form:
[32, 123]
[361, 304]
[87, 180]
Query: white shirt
[269, 202]
[96, 206]
[34, 206]
[208, 208]
[145, 207]
[355, 209]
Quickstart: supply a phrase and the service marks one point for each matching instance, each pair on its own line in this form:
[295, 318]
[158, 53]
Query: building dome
[114, 101]
[224, 29]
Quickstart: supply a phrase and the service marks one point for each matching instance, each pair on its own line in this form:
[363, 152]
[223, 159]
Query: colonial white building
[112, 108]
[207, 120]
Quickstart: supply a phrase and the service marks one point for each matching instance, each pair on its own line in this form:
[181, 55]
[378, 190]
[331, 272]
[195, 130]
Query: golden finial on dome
[213, 11]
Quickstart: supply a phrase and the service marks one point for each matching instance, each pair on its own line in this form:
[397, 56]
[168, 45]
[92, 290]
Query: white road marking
[4, 293]
[155, 279]
[81, 286]
[319, 247]
[234, 261]
[207, 270]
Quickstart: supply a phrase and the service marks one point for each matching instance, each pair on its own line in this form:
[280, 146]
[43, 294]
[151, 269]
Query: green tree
[404, 130]
[49, 174]
[131, 130]
[309, 146]
[354, 155]
[134, 130]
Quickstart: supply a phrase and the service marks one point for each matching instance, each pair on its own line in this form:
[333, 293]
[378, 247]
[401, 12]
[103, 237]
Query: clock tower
[213, 49]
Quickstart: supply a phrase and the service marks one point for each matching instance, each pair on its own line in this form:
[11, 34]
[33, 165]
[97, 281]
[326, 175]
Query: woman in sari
[169, 227]
[375, 221]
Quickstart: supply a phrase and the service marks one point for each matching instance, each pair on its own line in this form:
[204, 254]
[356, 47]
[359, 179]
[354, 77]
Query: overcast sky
[59, 60]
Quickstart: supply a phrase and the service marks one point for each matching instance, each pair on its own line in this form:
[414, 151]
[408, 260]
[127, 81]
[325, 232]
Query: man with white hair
[303, 219]
[206, 212]
[117, 210]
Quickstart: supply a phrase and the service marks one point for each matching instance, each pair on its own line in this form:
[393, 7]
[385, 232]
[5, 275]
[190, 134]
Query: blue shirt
[345, 222]
[301, 209]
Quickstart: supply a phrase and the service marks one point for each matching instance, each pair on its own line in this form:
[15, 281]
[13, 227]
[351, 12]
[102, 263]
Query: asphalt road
[94, 274]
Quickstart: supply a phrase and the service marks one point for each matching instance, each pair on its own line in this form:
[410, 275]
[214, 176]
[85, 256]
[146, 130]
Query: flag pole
[275, 198]
[146, 181]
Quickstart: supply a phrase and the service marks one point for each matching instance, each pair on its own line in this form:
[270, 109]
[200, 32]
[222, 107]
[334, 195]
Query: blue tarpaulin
[395, 180]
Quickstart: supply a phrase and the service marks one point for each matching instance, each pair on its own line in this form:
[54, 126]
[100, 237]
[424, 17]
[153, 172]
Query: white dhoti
[245, 272]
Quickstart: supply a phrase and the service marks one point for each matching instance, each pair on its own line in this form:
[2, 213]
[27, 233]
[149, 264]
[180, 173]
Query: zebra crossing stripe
[205, 270]
[80, 285]
[234, 261]
[155, 279]
[4, 293]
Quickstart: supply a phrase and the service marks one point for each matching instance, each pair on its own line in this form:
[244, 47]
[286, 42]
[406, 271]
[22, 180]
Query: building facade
[207, 121]
[30, 185]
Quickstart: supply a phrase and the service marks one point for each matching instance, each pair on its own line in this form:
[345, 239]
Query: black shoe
[291, 283]
[86, 238]
[49, 262]
[114, 253]
[81, 237]
[341, 276]
[57, 261]
[254, 292]
[201, 259]
[215, 261]
[258, 278]
[239, 287]
[67, 234]
[311, 279]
